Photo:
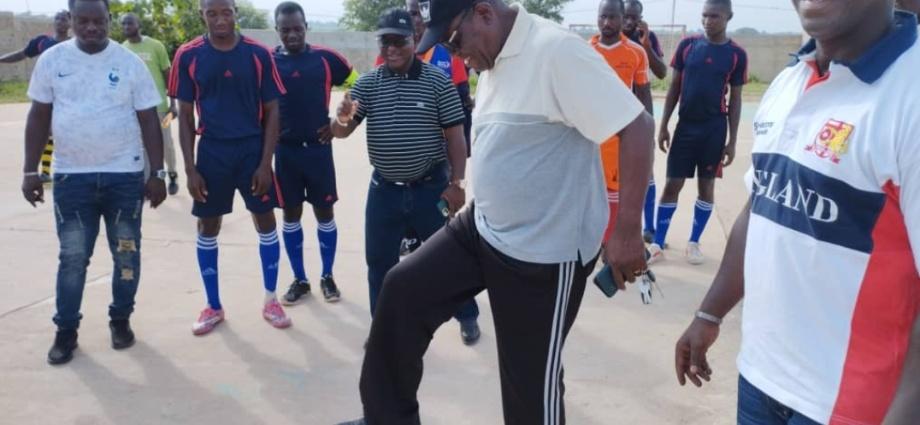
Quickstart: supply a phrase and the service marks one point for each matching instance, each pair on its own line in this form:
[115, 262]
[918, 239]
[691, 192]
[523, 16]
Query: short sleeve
[162, 57]
[144, 91]
[450, 110]
[339, 67]
[739, 72]
[359, 93]
[458, 71]
[641, 77]
[584, 97]
[35, 46]
[271, 87]
[181, 83]
[680, 54]
[40, 84]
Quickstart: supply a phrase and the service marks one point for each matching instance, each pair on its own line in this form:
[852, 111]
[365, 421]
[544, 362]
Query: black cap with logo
[395, 22]
[438, 15]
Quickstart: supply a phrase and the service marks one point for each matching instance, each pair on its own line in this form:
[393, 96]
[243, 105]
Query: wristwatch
[459, 183]
[160, 174]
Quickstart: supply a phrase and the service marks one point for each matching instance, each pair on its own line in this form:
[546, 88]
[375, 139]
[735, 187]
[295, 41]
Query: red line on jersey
[886, 307]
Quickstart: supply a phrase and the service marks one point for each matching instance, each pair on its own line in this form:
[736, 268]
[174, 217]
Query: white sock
[269, 297]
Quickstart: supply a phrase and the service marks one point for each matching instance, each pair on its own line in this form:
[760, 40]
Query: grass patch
[754, 89]
[13, 91]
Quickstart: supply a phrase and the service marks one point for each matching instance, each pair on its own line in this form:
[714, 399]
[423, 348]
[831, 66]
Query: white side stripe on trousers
[552, 400]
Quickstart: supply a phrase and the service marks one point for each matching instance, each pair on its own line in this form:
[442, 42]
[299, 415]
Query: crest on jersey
[832, 141]
[424, 8]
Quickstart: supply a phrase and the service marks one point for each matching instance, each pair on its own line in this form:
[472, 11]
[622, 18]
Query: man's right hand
[664, 139]
[347, 109]
[33, 190]
[690, 353]
[645, 39]
[196, 186]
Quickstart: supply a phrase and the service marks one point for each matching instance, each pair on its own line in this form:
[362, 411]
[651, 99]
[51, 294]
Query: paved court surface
[618, 358]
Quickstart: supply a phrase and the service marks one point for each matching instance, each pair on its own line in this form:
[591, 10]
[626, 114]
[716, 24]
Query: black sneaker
[65, 341]
[469, 332]
[298, 290]
[330, 291]
[122, 335]
[173, 187]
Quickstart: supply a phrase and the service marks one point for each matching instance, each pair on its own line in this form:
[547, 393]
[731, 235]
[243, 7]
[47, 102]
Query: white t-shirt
[96, 99]
[541, 113]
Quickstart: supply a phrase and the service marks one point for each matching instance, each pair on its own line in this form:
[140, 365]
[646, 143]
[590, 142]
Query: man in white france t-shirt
[101, 103]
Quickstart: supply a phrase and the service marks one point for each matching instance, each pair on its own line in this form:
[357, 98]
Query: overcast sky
[764, 15]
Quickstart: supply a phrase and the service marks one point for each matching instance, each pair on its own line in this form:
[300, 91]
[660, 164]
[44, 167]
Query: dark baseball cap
[395, 21]
[437, 15]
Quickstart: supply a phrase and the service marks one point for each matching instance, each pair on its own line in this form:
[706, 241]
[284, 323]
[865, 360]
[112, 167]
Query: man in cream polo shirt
[546, 101]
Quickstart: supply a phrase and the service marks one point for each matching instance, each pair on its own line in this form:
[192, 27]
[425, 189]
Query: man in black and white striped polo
[410, 108]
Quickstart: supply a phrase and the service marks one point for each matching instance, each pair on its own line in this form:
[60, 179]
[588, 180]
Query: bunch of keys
[646, 282]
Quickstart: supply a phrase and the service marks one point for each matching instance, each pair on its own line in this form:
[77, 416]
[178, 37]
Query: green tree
[549, 9]
[362, 15]
[247, 16]
[175, 22]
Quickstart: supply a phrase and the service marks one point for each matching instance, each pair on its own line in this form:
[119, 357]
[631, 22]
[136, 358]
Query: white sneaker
[694, 255]
[656, 253]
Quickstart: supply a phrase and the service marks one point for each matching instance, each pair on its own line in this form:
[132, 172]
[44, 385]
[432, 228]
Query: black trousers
[533, 305]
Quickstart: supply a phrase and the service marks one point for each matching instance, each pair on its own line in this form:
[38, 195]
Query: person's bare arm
[13, 57]
[263, 180]
[664, 135]
[636, 150]
[726, 291]
[38, 127]
[734, 119]
[905, 409]
[344, 123]
[152, 136]
[172, 100]
[655, 62]
[644, 94]
[456, 155]
[196, 184]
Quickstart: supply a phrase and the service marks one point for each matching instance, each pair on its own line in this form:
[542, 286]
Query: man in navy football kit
[35, 47]
[233, 83]
[704, 68]
[303, 158]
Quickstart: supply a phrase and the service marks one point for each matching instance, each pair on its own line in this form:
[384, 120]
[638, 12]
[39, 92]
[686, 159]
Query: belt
[428, 176]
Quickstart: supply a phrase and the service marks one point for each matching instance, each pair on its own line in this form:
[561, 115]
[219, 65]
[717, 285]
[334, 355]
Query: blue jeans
[80, 200]
[392, 209]
[757, 408]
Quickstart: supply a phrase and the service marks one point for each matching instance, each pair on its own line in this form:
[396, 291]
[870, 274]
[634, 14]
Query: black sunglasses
[394, 41]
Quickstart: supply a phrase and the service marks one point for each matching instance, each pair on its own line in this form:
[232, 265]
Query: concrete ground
[619, 357]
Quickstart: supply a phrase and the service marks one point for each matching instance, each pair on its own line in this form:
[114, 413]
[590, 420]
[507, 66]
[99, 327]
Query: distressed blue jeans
[80, 201]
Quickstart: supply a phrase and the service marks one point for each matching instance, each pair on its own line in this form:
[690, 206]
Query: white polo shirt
[833, 245]
[541, 113]
[96, 98]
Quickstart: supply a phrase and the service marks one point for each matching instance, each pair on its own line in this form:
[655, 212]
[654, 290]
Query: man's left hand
[728, 154]
[455, 197]
[262, 180]
[625, 253]
[155, 191]
[324, 134]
